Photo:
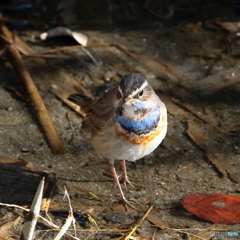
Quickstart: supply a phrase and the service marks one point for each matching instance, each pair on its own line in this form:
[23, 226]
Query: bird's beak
[125, 101]
[128, 100]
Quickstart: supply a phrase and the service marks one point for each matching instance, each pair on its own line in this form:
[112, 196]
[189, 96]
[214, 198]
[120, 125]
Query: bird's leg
[113, 170]
[124, 177]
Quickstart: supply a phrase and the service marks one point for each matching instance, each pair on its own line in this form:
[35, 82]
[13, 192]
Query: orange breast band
[143, 139]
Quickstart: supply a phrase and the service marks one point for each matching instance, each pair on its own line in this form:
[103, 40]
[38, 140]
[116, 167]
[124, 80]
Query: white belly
[109, 146]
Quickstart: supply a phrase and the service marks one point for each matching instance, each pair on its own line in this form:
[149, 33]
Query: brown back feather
[101, 111]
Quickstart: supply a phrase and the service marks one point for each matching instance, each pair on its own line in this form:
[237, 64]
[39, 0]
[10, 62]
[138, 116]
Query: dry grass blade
[31, 220]
[69, 220]
[65, 227]
[154, 233]
[50, 224]
[138, 224]
[46, 56]
[88, 192]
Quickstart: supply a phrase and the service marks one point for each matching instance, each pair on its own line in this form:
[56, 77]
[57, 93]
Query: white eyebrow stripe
[145, 84]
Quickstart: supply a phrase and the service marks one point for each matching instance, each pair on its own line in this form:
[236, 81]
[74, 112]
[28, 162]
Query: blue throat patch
[143, 126]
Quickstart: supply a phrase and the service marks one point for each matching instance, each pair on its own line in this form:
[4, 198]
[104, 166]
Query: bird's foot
[124, 179]
[128, 203]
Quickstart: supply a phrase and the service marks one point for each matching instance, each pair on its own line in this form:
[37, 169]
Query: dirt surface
[189, 161]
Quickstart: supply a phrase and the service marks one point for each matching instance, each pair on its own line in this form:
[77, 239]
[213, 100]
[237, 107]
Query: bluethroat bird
[126, 123]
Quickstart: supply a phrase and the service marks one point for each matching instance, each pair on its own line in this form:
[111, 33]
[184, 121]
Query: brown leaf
[214, 207]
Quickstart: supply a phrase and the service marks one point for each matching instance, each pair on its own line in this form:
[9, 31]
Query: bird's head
[135, 97]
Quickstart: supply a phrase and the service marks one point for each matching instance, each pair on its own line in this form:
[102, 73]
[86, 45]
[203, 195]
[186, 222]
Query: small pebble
[24, 150]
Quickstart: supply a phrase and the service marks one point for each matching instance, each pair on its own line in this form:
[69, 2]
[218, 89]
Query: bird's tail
[81, 100]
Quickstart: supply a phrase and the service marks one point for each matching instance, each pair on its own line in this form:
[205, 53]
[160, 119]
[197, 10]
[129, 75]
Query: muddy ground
[199, 155]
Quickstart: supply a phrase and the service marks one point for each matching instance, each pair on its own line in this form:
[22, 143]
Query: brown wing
[100, 112]
[80, 99]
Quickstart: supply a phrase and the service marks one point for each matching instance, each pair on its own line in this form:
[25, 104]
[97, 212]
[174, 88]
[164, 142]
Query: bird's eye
[140, 94]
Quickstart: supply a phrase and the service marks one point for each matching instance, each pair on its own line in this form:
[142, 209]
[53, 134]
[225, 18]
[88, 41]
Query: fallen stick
[33, 95]
[17, 46]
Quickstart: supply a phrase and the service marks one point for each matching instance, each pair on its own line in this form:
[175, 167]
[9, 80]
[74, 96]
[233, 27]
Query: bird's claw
[124, 179]
[128, 203]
